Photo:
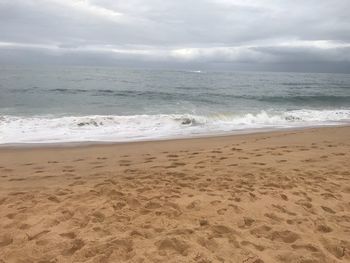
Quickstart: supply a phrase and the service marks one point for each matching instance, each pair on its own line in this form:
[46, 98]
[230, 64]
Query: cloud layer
[224, 33]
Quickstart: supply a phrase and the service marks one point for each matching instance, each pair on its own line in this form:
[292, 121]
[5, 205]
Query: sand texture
[269, 197]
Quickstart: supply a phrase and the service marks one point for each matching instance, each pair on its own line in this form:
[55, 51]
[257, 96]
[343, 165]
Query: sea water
[84, 104]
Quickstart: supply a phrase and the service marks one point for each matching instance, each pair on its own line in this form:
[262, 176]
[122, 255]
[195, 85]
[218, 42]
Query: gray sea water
[74, 104]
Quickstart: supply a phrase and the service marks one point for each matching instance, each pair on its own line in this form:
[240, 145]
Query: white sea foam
[44, 129]
[195, 71]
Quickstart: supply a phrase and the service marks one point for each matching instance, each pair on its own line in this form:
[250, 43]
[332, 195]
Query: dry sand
[270, 197]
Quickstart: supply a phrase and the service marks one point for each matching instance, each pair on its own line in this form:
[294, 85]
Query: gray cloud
[206, 33]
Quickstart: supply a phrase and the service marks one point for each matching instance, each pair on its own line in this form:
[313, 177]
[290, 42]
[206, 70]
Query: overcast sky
[296, 35]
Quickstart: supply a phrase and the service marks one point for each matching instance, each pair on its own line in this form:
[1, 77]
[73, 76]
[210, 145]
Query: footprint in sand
[246, 222]
[76, 245]
[172, 156]
[258, 163]
[215, 202]
[338, 248]
[283, 210]
[284, 197]
[173, 245]
[328, 210]
[307, 247]
[257, 247]
[54, 199]
[274, 217]
[11, 215]
[261, 231]
[221, 211]
[209, 244]
[194, 205]
[304, 203]
[28, 164]
[281, 161]
[24, 226]
[95, 163]
[77, 183]
[37, 235]
[98, 217]
[17, 179]
[5, 240]
[285, 236]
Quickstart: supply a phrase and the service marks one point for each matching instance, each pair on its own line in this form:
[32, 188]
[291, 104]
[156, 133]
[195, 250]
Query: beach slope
[269, 197]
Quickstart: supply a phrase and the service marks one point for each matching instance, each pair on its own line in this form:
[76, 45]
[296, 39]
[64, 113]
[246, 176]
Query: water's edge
[86, 144]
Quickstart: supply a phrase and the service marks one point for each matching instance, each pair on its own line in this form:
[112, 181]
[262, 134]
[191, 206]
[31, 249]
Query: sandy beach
[270, 197]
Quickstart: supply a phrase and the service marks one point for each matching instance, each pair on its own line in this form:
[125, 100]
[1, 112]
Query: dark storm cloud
[208, 32]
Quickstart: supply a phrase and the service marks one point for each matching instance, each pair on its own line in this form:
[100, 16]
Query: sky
[276, 35]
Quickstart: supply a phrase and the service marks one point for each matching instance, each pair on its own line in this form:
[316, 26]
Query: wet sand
[270, 197]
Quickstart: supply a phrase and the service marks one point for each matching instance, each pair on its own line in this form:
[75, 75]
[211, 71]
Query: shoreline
[276, 197]
[78, 144]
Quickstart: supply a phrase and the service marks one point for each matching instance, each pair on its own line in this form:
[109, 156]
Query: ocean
[88, 104]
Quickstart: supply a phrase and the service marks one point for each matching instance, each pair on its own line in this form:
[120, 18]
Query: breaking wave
[50, 129]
